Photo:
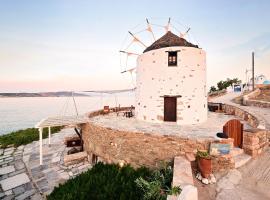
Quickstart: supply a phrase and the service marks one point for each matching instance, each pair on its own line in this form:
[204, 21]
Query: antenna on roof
[149, 28]
[135, 39]
[182, 35]
[167, 27]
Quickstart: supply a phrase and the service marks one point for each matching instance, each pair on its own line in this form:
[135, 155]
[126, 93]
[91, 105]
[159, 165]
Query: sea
[25, 112]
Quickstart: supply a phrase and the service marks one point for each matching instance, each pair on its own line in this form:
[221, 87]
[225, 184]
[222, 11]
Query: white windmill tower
[170, 78]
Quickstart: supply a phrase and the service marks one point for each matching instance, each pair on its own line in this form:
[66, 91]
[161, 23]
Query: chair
[106, 110]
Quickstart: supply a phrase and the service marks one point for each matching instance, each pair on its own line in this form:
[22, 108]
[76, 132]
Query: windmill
[142, 36]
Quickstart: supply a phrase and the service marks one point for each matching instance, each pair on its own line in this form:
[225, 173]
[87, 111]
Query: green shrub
[23, 137]
[109, 181]
[203, 154]
[159, 184]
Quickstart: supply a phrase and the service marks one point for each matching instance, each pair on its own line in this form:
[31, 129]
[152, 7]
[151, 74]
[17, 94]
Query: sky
[58, 45]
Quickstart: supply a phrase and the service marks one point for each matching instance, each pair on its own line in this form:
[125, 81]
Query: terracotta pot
[205, 167]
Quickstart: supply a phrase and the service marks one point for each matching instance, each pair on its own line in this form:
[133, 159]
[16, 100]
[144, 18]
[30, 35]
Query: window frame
[171, 62]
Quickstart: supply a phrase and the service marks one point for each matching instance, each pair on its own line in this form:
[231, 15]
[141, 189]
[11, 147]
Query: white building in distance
[171, 82]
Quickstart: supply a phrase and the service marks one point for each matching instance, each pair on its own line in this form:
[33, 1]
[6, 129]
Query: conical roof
[169, 40]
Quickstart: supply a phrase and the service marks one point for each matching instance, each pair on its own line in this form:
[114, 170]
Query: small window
[172, 58]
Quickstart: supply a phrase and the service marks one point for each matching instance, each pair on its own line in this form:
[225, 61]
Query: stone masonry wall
[137, 149]
[255, 141]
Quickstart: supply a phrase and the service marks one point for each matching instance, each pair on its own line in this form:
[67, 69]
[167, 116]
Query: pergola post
[40, 146]
[49, 129]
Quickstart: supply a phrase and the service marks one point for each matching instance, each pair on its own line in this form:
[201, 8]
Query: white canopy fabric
[62, 121]
[54, 122]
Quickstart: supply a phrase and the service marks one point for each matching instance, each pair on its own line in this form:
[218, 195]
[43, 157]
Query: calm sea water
[25, 112]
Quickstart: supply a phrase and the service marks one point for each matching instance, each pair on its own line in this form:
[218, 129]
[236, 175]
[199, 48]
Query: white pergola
[54, 122]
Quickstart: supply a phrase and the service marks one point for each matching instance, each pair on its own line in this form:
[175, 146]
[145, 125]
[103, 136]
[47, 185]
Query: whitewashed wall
[156, 79]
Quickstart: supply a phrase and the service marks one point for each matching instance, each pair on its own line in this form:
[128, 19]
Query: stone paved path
[250, 182]
[21, 176]
[14, 178]
[263, 114]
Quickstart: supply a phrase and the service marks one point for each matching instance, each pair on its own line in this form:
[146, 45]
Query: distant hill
[41, 94]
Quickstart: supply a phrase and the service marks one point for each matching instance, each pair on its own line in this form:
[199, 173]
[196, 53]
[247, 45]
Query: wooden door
[170, 109]
[234, 129]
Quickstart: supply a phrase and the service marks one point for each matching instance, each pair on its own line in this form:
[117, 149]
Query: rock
[205, 181]
[70, 173]
[199, 176]
[212, 178]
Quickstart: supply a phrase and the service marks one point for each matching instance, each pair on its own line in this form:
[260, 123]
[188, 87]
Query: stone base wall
[137, 149]
[255, 141]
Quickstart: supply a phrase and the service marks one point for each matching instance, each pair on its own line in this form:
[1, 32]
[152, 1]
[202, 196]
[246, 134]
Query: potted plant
[204, 163]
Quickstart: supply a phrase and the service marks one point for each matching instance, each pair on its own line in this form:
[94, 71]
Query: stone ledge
[75, 158]
[182, 172]
[182, 176]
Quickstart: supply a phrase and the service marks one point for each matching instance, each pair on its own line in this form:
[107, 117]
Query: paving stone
[9, 159]
[9, 192]
[14, 181]
[5, 156]
[21, 147]
[37, 175]
[1, 151]
[8, 153]
[9, 149]
[2, 194]
[3, 177]
[6, 170]
[28, 186]
[16, 172]
[42, 183]
[56, 159]
[19, 165]
[25, 195]
[10, 197]
[18, 190]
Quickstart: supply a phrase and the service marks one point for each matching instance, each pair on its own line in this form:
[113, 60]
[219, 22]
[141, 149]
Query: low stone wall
[137, 149]
[261, 104]
[255, 141]
[233, 110]
[249, 100]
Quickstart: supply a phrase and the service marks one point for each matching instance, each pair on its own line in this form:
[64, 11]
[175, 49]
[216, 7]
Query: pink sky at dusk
[63, 45]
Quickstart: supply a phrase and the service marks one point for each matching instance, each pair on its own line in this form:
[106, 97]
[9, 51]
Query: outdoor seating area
[205, 130]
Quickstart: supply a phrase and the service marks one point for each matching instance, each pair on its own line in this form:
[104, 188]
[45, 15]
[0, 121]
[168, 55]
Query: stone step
[236, 151]
[75, 158]
[241, 159]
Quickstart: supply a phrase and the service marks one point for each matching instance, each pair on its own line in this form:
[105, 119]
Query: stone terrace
[206, 130]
